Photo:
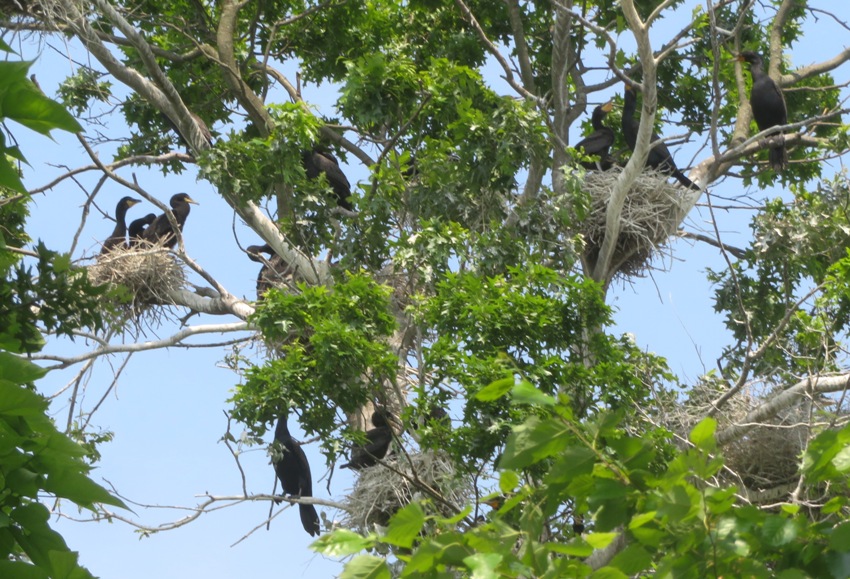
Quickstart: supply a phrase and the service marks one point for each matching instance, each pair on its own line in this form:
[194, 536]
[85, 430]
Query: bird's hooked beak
[133, 202]
[192, 201]
[608, 107]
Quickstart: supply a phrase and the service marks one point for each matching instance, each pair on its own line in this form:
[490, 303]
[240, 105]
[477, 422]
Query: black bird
[379, 439]
[317, 162]
[599, 141]
[137, 228]
[293, 470]
[119, 234]
[768, 106]
[659, 155]
[160, 230]
[274, 271]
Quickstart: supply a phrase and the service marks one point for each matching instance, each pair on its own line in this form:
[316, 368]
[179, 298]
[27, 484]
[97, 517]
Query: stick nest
[768, 456]
[148, 274]
[380, 491]
[651, 213]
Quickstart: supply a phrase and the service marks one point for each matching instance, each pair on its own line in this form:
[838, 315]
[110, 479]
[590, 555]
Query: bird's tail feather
[778, 158]
[309, 519]
[681, 178]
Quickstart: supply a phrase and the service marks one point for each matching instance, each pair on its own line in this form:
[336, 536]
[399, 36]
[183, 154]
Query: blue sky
[166, 409]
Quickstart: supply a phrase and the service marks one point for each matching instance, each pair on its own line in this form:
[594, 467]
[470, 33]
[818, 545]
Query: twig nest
[380, 491]
[768, 456]
[651, 213]
[148, 274]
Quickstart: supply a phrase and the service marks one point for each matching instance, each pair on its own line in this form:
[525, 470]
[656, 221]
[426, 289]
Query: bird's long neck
[629, 105]
[596, 119]
[121, 219]
[281, 432]
[756, 70]
[181, 212]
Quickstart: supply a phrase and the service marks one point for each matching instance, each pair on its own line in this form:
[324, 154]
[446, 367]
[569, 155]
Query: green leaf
[532, 441]
[405, 526]
[19, 570]
[778, 531]
[600, 540]
[484, 565]
[18, 370]
[495, 390]
[632, 560]
[341, 543]
[842, 460]
[508, 481]
[78, 487]
[526, 393]
[839, 538]
[366, 567]
[702, 435]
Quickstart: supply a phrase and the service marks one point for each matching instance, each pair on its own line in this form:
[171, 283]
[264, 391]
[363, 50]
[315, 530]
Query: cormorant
[317, 162]
[659, 155]
[274, 269]
[379, 439]
[119, 234]
[599, 141]
[137, 228]
[293, 470]
[768, 106]
[160, 231]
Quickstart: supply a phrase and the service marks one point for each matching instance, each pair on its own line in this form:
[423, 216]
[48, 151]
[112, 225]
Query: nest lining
[380, 492]
[149, 274]
[651, 213]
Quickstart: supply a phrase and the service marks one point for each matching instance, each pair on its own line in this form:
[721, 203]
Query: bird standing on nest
[118, 239]
[659, 155]
[378, 442]
[599, 141]
[768, 107]
[160, 230]
[293, 470]
[137, 228]
[319, 161]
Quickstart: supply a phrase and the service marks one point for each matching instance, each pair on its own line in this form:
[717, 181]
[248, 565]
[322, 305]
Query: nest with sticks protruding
[147, 273]
[380, 491]
[768, 456]
[651, 213]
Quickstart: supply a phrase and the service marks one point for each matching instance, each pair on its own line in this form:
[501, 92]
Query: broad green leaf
[600, 540]
[508, 481]
[842, 459]
[572, 462]
[839, 538]
[533, 441]
[20, 570]
[484, 565]
[405, 526]
[778, 531]
[495, 390]
[526, 393]
[341, 543]
[18, 370]
[702, 435]
[366, 567]
[632, 560]
[9, 176]
[78, 487]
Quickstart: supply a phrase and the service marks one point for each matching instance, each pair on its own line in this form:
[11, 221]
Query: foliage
[36, 458]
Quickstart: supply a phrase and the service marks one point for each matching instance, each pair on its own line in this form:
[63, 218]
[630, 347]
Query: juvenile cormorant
[599, 141]
[160, 231]
[293, 470]
[659, 155]
[378, 442]
[274, 270]
[118, 239]
[768, 106]
[137, 228]
[319, 161]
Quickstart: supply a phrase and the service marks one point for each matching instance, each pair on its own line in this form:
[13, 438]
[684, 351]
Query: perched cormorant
[378, 442]
[599, 141]
[293, 470]
[317, 162]
[137, 228]
[160, 231]
[119, 234]
[768, 106]
[659, 155]
[274, 270]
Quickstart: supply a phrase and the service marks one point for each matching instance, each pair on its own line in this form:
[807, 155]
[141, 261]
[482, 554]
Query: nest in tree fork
[149, 274]
[380, 491]
[651, 213]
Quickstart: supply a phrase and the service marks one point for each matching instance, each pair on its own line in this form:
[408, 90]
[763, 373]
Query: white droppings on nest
[651, 213]
[380, 491]
[149, 274]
